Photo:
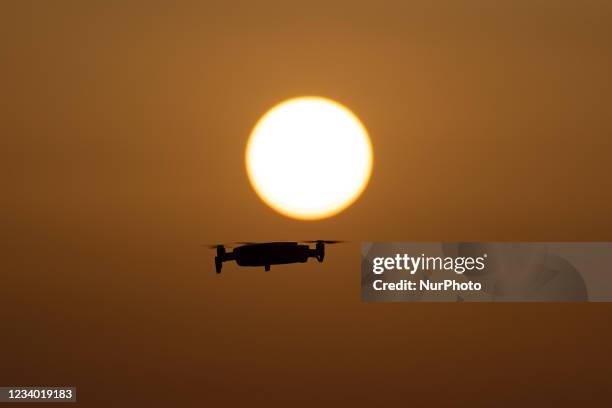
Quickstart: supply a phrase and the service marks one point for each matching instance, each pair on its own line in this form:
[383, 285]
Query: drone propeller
[233, 244]
[324, 241]
[229, 245]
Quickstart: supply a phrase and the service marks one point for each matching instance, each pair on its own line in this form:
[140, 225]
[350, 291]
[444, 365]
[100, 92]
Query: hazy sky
[123, 128]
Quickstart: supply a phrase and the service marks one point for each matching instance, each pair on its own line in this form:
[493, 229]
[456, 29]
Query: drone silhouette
[270, 253]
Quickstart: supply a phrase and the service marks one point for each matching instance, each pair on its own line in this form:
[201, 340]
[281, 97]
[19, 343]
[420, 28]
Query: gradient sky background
[123, 128]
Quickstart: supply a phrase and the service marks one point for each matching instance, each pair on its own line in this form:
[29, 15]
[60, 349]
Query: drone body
[271, 253]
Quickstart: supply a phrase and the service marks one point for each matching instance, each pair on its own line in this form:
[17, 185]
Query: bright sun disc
[309, 158]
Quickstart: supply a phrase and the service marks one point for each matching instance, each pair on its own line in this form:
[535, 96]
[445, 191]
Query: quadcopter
[270, 253]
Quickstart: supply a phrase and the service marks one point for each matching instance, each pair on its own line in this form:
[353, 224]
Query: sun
[309, 158]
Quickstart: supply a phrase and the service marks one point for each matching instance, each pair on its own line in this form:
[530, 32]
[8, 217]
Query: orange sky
[123, 133]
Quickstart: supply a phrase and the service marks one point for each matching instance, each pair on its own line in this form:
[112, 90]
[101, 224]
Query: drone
[270, 253]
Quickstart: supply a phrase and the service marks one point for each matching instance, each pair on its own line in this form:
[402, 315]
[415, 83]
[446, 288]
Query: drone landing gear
[218, 264]
[320, 248]
[219, 258]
